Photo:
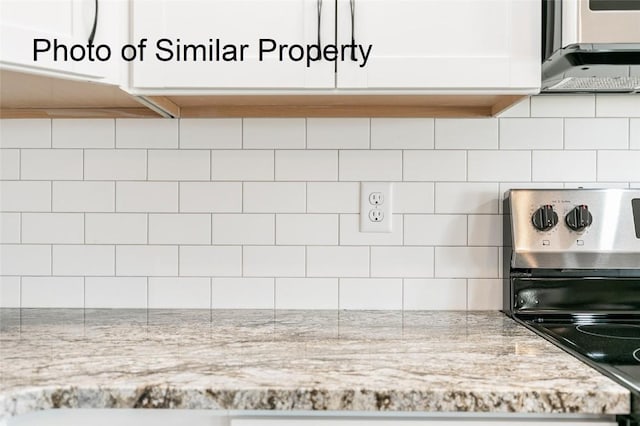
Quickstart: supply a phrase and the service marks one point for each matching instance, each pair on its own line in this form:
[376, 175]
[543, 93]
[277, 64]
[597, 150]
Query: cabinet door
[67, 21]
[442, 44]
[231, 22]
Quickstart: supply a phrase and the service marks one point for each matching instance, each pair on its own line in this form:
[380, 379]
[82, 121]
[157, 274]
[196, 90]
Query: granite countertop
[290, 360]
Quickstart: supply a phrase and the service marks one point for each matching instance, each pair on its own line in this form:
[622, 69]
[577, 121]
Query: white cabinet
[486, 46]
[442, 44]
[181, 417]
[215, 32]
[67, 23]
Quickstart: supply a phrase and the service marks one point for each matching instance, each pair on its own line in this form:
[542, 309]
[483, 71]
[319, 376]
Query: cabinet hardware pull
[352, 3]
[95, 24]
[319, 5]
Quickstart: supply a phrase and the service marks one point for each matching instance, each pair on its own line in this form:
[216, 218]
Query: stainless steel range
[572, 274]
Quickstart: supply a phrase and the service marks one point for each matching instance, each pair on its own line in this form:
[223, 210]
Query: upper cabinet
[440, 45]
[202, 44]
[52, 36]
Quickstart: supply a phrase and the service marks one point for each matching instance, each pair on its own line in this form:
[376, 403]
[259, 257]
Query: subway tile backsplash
[263, 213]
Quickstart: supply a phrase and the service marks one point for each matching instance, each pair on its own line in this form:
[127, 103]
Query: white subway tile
[307, 165]
[25, 259]
[634, 132]
[337, 261]
[402, 133]
[467, 133]
[53, 228]
[435, 230]
[413, 197]
[307, 229]
[242, 293]
[215, 197]
[83, 196]
[115, 164]
[9, 292]
[333, 197]
[115, 292]
[519, 109]
[466, 262]
[210, 133]
[273, 261]
[563, 106]
[567, 166]
[435, 294]
[83, 133]
[596, 133]
[83, 260]
[370, 293]
[21, 133]
[116, 228]
[136, 261]
[350, 234]
[50, 164]
[52, 292]
[25, 196]
[617, 106]
[179, 165]
[9, 164]
[242, 165]
[274, 197]
[485, 230]
[190, 228]
[492, 166]
[531, 133]
[243, 229]
[306, 293]
[435, 165]
[9, 228]
[338, 133]
[179, 293]
[618, 166]
[202, 261]
[157, 197]
[147, 133]
[467, 198]
[401, 262]
[370, 165]
[278, 133]
[485, 295]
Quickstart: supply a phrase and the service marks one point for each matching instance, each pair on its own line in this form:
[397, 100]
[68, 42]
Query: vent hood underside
[599, 68]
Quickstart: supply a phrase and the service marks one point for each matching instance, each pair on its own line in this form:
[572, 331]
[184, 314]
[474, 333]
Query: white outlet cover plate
[386, 207]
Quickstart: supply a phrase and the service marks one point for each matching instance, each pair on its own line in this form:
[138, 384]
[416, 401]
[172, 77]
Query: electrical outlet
[376, 207]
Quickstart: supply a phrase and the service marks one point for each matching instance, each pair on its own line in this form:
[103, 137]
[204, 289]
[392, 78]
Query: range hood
[591, 46]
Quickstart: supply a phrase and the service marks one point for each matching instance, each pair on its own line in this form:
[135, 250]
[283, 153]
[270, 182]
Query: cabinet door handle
[352, 4]
[319, 6]
[95, 24]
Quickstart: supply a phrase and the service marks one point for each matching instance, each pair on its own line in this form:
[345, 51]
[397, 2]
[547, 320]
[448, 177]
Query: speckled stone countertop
[290, 360]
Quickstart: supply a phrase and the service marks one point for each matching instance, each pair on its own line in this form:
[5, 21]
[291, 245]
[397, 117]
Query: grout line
[210, 293]
[242, 133]
[84, 292]
[147, 304]
[211, 165]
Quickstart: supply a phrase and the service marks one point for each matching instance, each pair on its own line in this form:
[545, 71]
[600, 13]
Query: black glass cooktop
[613, 348]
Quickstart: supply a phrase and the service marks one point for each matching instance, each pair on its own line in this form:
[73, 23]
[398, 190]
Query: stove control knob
[579, 218]
[544, 218]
